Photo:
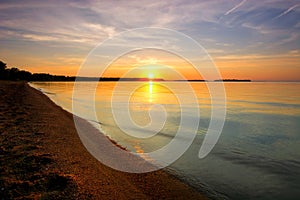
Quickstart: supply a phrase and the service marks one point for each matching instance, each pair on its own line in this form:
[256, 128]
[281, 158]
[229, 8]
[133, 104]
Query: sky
[246, 39]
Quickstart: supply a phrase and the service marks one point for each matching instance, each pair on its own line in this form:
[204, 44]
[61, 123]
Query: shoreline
[43, 157]
[110, 139]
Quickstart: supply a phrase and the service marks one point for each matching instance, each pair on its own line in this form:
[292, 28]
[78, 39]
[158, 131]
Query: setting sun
[151, 76]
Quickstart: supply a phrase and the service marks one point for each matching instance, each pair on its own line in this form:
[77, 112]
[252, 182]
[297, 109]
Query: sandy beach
[42, 157]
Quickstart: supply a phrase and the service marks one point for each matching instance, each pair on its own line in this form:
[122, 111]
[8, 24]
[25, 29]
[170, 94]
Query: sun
[150, 75]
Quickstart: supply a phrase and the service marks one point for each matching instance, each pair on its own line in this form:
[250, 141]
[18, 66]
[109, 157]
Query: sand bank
[42, 157]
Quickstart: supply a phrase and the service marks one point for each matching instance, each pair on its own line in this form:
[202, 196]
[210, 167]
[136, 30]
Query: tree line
[15, 74]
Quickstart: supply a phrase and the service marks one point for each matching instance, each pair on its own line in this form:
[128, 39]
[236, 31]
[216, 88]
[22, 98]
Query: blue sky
[242, 36]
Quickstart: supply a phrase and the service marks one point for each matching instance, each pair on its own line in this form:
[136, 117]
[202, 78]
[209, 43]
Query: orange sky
[251, 67]
[254, 40]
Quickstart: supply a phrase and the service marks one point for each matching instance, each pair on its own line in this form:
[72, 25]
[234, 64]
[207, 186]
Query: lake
[258, 152]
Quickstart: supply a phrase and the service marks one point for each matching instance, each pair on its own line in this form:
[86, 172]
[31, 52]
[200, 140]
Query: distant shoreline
[87, 79]
[115, 79]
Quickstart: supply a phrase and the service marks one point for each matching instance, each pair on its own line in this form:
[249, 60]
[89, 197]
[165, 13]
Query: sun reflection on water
[140, 151]
[150, 91]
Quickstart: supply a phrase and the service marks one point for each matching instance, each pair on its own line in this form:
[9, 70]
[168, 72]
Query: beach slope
[42, 156]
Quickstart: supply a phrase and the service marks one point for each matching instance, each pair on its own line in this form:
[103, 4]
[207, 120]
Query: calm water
[257, 155]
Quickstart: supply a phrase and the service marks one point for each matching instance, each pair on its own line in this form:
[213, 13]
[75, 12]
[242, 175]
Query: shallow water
[257, 155]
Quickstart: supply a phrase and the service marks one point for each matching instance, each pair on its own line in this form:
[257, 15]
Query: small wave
[277, 104]
[95, 121]
[286, 168]
[41, 89]
[51, 93]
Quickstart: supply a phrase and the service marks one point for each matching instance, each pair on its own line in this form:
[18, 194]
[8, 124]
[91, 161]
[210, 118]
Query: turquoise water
[256, 157]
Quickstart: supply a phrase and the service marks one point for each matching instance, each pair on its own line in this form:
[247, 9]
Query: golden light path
[150, 91]
[150, 76]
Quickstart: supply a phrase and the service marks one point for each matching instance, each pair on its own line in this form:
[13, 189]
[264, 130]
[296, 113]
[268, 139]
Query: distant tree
[3, 71]
[13, 73]
[2, 66]
[24, 75]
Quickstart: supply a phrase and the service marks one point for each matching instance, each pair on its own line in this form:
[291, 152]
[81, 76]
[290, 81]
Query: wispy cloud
[238, 57]
[235, 7]
[287, 11]
[224, 28]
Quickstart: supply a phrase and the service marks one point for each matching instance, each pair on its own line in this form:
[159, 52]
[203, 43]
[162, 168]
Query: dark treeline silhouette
[233, 80]
[15, 74]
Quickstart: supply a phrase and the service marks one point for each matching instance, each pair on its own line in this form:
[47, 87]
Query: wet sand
[42, 156]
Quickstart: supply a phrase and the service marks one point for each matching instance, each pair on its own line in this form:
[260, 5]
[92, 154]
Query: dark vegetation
[15, 74]
[233, 80]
